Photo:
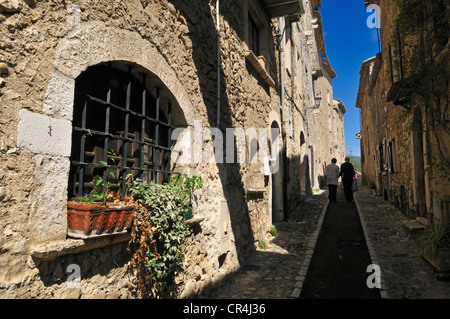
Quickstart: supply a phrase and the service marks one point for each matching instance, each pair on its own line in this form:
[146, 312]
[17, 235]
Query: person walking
[332, 174]
[348, 173]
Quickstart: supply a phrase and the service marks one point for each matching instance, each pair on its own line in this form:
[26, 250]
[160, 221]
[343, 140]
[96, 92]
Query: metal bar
[96, 165]
[156, 152]
[169, 137]
[142, 140]
[218, 61]
[92, 184]
[121, 167]
[114, 136]
[127, 119]
[281, 4]
[82, 149]
[100, 101]
[107, 118]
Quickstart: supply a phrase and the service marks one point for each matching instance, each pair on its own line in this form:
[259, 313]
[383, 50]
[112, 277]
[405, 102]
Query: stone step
[413, 225]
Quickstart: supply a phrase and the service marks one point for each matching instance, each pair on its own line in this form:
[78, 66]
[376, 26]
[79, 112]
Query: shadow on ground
[338, 268]
[272, 273]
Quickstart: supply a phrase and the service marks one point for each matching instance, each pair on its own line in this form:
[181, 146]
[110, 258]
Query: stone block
[11, 6]
[4, 69]
[59, 96]
[413, 225]
[44, 135]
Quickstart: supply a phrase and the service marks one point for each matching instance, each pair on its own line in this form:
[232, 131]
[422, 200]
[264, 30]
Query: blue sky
[349, 42]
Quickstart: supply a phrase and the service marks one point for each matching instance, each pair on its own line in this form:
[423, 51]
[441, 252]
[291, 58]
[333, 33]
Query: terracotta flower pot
[91, 220]
[440, 262]
[262, 60]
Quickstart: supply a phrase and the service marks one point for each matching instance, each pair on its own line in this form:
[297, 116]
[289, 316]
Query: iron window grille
[120, 126]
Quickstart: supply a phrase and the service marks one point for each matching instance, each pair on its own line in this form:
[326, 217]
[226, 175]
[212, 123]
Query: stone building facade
[313, 113]
[404, 155]
[326, 115]
[204, 70]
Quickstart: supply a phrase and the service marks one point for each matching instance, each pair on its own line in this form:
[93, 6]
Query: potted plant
[435, 240]
[101, 213]
[186, 185]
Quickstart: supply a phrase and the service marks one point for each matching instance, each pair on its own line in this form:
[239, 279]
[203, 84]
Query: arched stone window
[122, 124]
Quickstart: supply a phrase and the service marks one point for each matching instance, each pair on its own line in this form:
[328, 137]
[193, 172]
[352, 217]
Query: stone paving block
[295, 293]
[413, 225]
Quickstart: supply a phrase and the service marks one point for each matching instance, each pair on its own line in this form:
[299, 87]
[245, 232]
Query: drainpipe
[281, 28]
[218, 62]
[386, 150]
[281, 32]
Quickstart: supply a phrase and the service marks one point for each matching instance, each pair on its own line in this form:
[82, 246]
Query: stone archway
[305, 182]
[277, 176]
[94, 43]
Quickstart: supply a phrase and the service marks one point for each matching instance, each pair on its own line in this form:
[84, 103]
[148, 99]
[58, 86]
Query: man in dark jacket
[347, 173]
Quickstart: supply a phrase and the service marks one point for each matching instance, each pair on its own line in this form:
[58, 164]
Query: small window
[253, 36]
[380, 158]
[121, 126]
[391, 155]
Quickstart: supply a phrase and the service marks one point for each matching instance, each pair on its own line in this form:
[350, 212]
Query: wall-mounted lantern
[317, 100]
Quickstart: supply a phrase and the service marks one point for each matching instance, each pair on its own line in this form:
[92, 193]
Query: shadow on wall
[305, 178]
[289, 240]
[101, 261]
[322, 180]
[202, 32]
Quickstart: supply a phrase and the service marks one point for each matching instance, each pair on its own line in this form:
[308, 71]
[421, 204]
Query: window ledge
[256, 190]
[251, 57]
[54, 249]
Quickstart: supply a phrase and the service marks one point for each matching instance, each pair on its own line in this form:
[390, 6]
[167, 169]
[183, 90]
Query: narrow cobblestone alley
[279, 271]
[338, 269]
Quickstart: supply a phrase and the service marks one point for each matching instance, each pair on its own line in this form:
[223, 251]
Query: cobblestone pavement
[278, 272]
[275, 272]
[397, 250]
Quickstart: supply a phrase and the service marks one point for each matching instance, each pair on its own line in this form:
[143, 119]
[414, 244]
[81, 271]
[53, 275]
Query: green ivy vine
[159, 236]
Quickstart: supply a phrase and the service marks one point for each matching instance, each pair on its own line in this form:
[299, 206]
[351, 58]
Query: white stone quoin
[44, 135]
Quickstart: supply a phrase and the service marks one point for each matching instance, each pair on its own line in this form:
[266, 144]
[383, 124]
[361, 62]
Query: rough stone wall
[398, 185]
[337, 130]
[410, 185]
[306, 92]
[369, 127]
[46, 46]
[102, 272]
[296, 94]
[323, 143]
[318, 126]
